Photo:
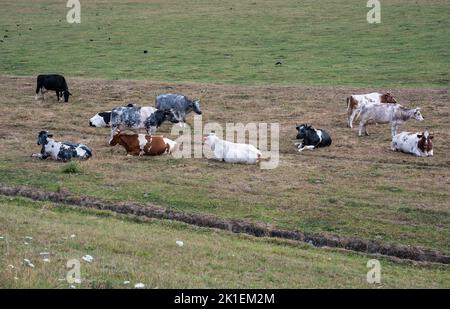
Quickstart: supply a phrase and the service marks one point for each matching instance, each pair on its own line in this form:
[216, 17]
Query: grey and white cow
[180, 104]
[103, 119]
[394, 114]
[134, 117]
[60, 151]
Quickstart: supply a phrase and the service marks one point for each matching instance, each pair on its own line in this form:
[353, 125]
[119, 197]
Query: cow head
[115, 139]
[425, 143]
[417, 115]
[66, 94]
[387, 98]
[42, 138]
[211, 140]
[196, 107]
[100, 120]
[302, 131]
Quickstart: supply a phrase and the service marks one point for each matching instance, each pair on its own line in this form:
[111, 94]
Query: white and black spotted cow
[311, 138]
[103, 119]
[419, 144]
[135, 117]
[60, 151]
[53, 82]
[180, 104]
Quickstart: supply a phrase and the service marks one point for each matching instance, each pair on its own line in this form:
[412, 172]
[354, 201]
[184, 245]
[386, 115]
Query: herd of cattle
[371, 108]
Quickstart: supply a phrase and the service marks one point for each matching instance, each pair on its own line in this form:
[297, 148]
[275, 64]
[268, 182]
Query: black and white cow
[311, 138]
[60, 151]
[53, 82]
[135, 117]
[103, 119]
[180, 104]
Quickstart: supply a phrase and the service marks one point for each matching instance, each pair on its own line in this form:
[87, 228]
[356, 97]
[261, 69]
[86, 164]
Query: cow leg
[355, 114]
[350, 116]
[57, 95]
[394, 129]
[113, 131]
[310, 147]
[361, 127]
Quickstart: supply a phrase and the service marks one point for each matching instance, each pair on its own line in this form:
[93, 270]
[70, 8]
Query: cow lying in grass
[419, 144]
[232, 152]
[141, 144]
[103, 119]
[311, 138]
[394, 114]
[61, 151]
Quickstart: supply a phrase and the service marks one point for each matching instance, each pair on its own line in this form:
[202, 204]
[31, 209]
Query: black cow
[53, 82]
[311, 138]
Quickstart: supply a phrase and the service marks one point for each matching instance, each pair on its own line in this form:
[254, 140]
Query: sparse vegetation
[71, 168]
[125, 249]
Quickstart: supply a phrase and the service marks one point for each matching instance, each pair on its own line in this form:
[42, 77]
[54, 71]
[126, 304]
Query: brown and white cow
[141, 144]
[419, 144]
[356, 102]
[394, 114]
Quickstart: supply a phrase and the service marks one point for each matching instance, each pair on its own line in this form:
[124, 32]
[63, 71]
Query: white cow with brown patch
[356, 102]
[419, 144]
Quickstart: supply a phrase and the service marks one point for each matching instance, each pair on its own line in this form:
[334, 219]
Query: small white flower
[77, 281]
[139, 286]
[1, 238]
[28, 238]
[46, 260]
[11, 266]
[126, 282]
[26, 244]
[73, 236]
[73, 287]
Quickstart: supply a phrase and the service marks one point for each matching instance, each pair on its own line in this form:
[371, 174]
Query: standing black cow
[53, 82]
[311, 138]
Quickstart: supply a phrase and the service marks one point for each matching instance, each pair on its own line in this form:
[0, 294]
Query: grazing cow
[311, 138]
[419, 144]
[136, 117]
[61, 151]
[141, 144]
[232, 152]
[180, 104]
[103, 119]
[53, 82]
[394, 114]
[356, 102]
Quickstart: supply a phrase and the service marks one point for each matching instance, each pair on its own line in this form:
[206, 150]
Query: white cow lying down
[419, 143]
[231, 152]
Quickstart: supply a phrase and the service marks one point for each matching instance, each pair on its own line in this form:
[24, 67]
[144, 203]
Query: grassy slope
[358, 187]
[146, 252]
[233, 41]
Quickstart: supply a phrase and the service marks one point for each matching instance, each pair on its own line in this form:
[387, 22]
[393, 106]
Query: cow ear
[430, 136]
[50, 135]
[419, 135]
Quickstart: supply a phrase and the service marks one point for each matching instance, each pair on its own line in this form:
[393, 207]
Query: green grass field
[319, 42]
[224, 52]
[126, 250]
